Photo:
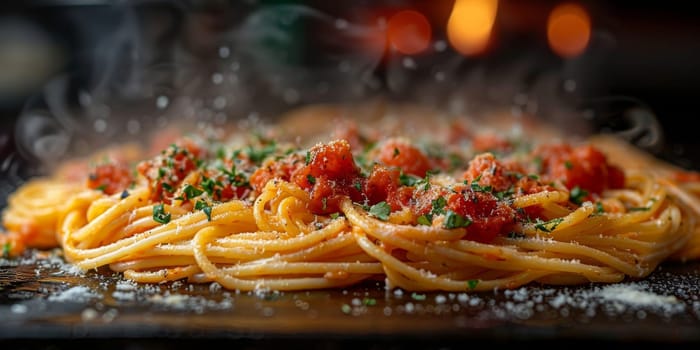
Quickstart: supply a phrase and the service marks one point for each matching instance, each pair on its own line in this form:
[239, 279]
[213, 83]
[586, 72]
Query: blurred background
[78, 74]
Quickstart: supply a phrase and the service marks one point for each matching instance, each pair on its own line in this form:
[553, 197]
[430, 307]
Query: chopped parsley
[380, 210]
[101, 188]
[439, 206]
[501, 195]
[548, 226]
[311, 179]
[236, 179]
[478, 188]
[6, 250]
[335, 216]
[166, 186]
[577, 195]
[204, 207]
[159, 214]
[472, 284]
[599, 208]
[424, 220]
[220, 153]
[357, 185]
[408, 180]
[416, 296]
[568, 165]
[437, 209]
[454, 220]
[257, 155]
[639, 208]
[369, 301]
[396, 152]
[425, 182]
[191, 191]
[308, 157]
[208, 185]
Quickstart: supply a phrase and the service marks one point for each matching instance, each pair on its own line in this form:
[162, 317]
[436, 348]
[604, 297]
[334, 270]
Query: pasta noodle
[257, 212]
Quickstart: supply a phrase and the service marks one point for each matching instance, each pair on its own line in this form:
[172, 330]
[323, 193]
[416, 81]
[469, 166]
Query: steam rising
[262, 66]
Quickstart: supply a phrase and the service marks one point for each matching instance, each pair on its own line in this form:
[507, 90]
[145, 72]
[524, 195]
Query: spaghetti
[454, 209]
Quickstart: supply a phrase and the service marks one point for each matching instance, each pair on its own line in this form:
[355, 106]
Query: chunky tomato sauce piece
[110, 178]
[330, 174]
[166, 171]
[271, 169]
[490, 217]
[582, 166]
[402, 154]
[502, 176]
[686, 176]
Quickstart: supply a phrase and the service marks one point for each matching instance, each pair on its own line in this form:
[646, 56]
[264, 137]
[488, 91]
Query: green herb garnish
[258, 155]
[204, 207]
[548, 226]
[639, 208]
[380, 210]
[599, 208]
[191, 191]
[369, 301]
[424, 220]
[407, 180]
[454, 220]
[416, 296]
[577, 195]
[357, 185]
[208, 185]
[159, 214]
[472, 284]
[439, 206]
[505, 194]
[6, 250]
[478, 188]
[167, 187]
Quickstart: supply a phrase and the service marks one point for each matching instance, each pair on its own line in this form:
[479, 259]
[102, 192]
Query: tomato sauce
[110, 178]
[166, 171]
[584, 166]
[478, 196]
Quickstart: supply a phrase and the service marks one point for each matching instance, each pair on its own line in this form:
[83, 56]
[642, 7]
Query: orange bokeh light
[568, 30]
[470, 25]
[409, 32]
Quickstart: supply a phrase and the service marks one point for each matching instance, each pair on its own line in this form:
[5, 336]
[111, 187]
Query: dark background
[116, 62]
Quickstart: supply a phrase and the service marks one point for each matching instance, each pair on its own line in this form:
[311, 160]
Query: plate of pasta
[412, 205]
